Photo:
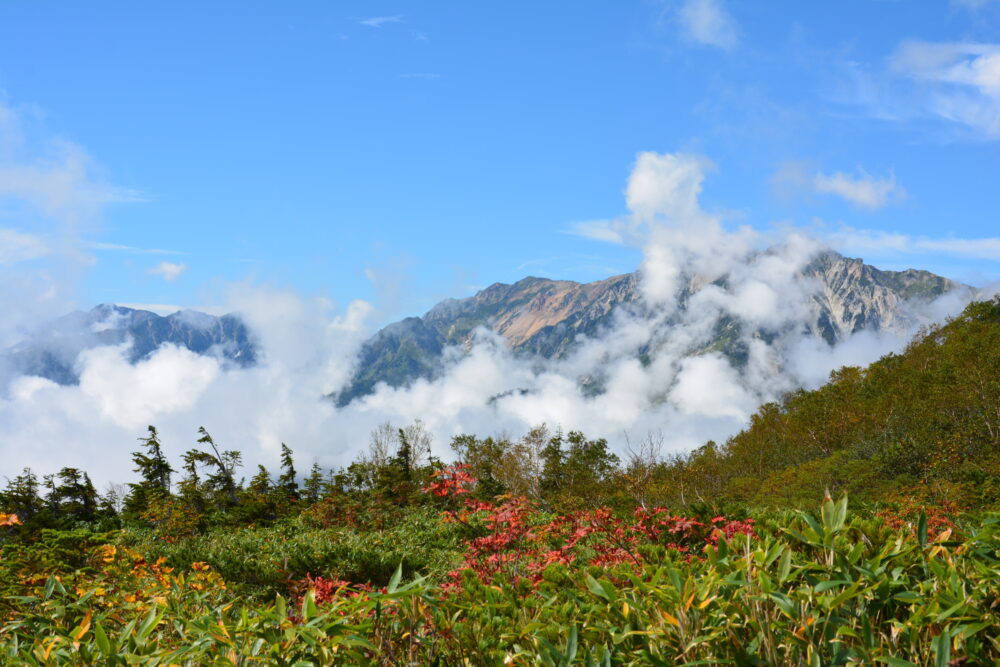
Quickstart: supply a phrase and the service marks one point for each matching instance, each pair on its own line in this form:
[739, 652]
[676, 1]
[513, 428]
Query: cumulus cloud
[169, 271]
[654, 364]
[708, 22]
[862, 190]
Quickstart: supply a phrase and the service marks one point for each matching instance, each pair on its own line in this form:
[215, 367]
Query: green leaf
[101, 637]
[394, 581]
[785, 565]
[895, 662]
[596, 588]
[571, 646]
[827, 585]
[785, 605]
[948, 612]
[814, 525]
[309, 609]
[942, 649]
[839, 514]
[922, 529]
[150, 622]
[846, 595]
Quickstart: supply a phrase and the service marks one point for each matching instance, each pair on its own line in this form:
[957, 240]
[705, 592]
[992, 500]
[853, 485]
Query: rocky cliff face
[854, 296]
[534, 314]
[544, 317]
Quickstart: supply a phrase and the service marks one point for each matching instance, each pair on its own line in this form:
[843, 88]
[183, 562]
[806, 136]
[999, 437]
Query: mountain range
[549, 318]
[52, 350]
[536, 317]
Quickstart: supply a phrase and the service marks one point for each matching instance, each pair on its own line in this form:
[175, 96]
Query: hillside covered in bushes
[853, 524]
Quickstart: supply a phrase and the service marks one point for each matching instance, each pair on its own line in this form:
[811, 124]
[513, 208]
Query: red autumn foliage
[520, 542]
[907, 510]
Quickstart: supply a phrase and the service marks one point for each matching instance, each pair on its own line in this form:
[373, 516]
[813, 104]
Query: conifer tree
[286, 482]
[190, 486]
[225, 463]
[260, 484]
[75, 496]
[155, 471]
[314, 484]
[21, 496]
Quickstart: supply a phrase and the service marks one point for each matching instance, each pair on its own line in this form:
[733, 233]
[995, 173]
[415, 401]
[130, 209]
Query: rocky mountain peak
[546, 318]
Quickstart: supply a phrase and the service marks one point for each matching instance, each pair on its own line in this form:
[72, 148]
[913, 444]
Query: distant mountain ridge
[537, 317]
[543, 317]
[53, 350]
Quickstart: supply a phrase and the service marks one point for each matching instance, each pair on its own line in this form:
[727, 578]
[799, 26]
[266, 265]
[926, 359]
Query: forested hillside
[925, 422]
[548, 548]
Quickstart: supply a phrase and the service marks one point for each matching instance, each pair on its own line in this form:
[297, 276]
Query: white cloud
[309, 349]
[168, 270]
[131, 396]
[708, 22]
[93, 245]
[53, 176]
[958, 82]
[866, 241]
[16, 246]
[607, 231]
[51, 195]
[666, 185]
[379, 21]
[862, 190]
[708, 385]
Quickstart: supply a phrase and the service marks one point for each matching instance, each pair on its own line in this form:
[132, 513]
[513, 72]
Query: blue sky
[403, 152]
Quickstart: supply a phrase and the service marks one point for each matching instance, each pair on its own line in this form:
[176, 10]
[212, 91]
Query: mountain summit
[53, 349]
[538, 318]
[548, 318]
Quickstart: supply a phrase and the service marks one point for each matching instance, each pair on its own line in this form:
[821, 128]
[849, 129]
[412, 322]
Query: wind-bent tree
[155, 471]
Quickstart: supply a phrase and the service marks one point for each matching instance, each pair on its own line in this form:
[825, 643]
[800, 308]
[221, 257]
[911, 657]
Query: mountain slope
[53, 350]
[924, 424]
[545, 317]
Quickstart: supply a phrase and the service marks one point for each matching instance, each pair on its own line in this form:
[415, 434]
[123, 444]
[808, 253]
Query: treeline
[208, 487]
[923, 424]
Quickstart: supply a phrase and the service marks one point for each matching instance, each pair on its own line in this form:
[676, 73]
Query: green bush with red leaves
[593, 588]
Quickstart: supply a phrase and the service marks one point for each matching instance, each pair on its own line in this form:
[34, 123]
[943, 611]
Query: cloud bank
[309, 348]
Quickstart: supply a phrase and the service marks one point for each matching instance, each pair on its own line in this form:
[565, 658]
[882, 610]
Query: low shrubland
[790, 588]
[547, 549]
